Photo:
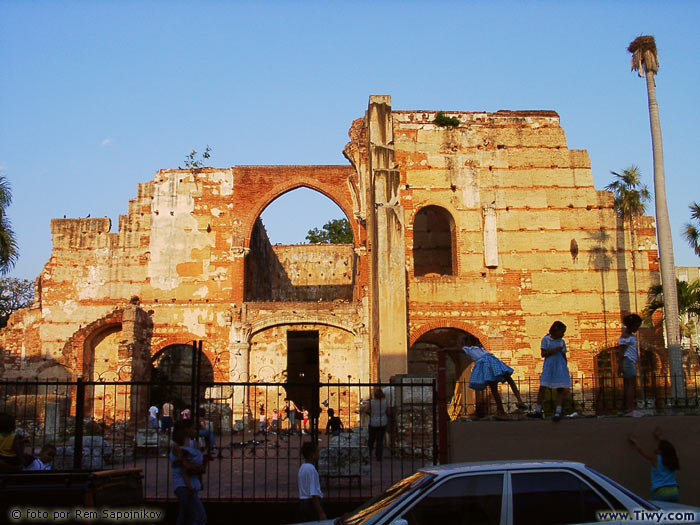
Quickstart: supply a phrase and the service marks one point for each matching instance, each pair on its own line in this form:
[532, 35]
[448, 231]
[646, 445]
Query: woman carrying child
[188, 464]
[555, 371]
[488, 371]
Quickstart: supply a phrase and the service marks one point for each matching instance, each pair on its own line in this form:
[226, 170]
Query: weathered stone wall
[531, 241]
[557, 248]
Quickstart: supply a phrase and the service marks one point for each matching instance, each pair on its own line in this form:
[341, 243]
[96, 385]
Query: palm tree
[631, 197]
[8, 244]
[645, 61]
[688, 303]
[691, 231]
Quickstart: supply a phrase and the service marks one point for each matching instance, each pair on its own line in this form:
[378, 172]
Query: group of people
[488, 370]
[12, 450]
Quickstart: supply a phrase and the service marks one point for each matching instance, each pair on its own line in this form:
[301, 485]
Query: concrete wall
[600, 443]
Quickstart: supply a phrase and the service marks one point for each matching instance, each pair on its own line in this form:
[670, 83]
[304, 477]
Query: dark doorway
[302, 369]
[171, 376]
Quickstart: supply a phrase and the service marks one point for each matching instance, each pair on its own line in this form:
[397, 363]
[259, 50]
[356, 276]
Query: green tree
[194, 163]
[336, 231]
[691, 232]
[645, 61]
[631, 197]
[688, 304]
[9, 250]
[14, 294]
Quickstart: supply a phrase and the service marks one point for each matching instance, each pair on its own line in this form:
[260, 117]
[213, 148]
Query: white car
[537, 492]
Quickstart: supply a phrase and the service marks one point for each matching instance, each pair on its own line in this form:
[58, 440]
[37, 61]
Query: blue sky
[95, 97]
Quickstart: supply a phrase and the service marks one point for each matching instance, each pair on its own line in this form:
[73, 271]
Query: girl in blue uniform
[555, 371]
[489, 371]
[664, 466]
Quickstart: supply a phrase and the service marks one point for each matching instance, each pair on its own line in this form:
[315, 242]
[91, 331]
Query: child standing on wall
[627, 345]
[555, 371]
[489, 371]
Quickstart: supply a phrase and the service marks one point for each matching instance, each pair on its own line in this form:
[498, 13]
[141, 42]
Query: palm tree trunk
[663, 231]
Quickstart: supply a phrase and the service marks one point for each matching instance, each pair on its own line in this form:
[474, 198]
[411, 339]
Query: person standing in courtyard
[187, 466]
[555, 371]
[291, 412]
[310, 494]
[627, 346]
[166, 421]
[378, 410]
[153, 417]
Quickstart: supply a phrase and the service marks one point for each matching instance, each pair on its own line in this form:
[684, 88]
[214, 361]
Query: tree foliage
[444, 121]
[194, 163]
[14, 294]
[631, 196]
[691, 231]
[688, 303]
[9, 250]
[336, 231]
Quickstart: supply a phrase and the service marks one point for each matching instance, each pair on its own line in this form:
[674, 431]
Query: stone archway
[172, 373]
[423, 360]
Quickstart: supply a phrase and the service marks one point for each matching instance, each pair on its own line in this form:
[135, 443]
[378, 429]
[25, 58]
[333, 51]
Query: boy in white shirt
[309, 485]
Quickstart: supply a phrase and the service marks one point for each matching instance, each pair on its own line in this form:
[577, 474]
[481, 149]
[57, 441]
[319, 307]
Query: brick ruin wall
[189, 243]
[561, 250]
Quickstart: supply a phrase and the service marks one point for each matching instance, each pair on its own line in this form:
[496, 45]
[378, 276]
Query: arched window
[433, 242]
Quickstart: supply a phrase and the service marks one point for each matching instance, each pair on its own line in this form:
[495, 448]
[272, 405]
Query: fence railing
[600, 396]
[253, 438]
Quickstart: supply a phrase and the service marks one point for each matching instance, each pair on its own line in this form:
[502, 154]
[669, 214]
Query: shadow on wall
[304, 273]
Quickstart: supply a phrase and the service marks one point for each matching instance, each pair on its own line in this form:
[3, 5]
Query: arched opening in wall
[101, 363]
[423, 361]
[172, 374]
[651, 382]
[433, 242]
[301, 249]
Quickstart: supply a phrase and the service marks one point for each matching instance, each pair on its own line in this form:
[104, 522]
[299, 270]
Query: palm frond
[644, 55]
[692, 236]
[695, 211]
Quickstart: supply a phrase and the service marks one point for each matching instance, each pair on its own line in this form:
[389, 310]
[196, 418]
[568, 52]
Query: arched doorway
[609, 385]
[423, 360]
[172, 375]
[307, 259]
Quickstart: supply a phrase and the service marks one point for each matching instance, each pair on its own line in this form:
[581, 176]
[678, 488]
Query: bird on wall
[573, 248]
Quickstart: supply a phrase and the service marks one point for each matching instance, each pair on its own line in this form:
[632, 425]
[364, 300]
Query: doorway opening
[302, 369]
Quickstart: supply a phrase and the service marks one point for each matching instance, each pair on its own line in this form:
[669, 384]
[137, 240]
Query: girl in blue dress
[555, 371]
[489, 371]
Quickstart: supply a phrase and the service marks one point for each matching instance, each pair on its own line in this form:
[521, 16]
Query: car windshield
[371, 510]
[637, 499]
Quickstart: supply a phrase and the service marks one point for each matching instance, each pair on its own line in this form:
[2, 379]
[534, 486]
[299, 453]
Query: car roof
[480, 466]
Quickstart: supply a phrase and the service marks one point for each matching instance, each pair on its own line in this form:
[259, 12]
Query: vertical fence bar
[79, 415]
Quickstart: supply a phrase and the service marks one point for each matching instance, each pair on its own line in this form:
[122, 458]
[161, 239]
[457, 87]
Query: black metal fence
[252, 436]
[587, 396]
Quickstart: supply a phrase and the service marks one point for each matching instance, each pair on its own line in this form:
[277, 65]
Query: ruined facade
[492, 228]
